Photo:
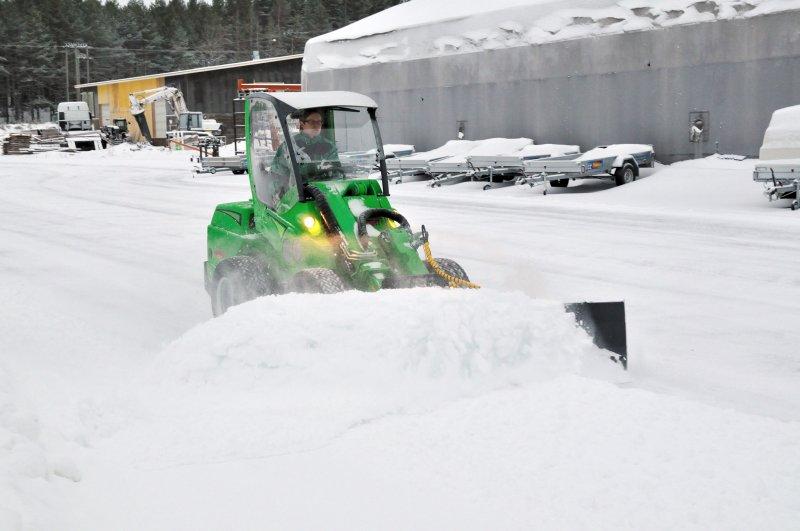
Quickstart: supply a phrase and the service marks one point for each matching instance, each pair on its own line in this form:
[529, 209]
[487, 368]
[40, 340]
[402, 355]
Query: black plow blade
[605, 323]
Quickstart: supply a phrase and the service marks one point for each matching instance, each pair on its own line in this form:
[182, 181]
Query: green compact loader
[320, 220]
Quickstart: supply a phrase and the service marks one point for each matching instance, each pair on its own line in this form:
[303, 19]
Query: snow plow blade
[605, 323]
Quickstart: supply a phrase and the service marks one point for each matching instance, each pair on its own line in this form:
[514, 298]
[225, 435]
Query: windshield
[333, 143]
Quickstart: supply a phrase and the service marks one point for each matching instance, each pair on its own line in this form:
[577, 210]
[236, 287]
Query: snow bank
[782, 138]
[419, 28]
[295, 371]
[25, 460]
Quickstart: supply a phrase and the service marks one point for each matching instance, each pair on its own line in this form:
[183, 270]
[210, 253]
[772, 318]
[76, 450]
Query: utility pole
[74, 46]
[66, 71]
[77, 75]
[88, 79]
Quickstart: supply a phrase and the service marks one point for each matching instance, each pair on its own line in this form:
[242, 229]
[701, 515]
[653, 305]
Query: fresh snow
[123, 405]
[421, 28]
[615, 150]
[552, 150]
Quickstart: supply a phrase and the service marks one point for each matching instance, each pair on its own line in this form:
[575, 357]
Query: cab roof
[333, 98]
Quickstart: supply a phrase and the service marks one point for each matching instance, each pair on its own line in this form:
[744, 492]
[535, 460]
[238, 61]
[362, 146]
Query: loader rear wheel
[238, 280]
[451, 267]
[560, 183]
[625, 174]
[318, 280]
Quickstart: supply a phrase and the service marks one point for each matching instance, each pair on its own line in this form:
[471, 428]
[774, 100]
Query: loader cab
[294, 139]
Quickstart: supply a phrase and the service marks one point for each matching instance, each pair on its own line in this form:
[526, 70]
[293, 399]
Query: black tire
[625, 174]
[238, 280]
[560, 183]
[238, 172]
[318, 280]
[451, 267]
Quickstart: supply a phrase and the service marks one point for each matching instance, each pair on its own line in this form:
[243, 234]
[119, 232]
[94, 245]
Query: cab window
[270, 166]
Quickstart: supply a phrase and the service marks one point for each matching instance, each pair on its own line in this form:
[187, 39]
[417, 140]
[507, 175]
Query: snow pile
[419, 28]
[296, 371]
[24, 459]
[782, 138]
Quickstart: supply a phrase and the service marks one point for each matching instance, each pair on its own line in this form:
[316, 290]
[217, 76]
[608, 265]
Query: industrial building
[209, 89]
[578, 72]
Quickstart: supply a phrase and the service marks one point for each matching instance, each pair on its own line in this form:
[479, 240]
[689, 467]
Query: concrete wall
[637, 87]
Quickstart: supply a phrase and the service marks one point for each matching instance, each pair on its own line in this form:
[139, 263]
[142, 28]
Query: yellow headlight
[312, 225]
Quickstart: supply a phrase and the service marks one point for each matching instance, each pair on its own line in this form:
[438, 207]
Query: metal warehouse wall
[213, 92]
[636, 87]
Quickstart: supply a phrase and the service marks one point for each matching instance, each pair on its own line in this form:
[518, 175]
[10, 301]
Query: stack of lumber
[17, 144]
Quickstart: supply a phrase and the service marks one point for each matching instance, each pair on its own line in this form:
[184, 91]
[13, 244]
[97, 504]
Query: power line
[117, 49]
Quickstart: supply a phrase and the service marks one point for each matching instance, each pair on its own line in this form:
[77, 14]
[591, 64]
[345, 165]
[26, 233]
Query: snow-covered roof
[308, 100]
[421, 28]
[195, 70]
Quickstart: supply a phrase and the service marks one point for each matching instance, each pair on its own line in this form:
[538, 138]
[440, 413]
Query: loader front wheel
[625, 174]
[318, 280]
[238, 280]
[451, 267]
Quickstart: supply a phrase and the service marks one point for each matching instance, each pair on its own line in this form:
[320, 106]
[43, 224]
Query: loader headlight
[312, 225]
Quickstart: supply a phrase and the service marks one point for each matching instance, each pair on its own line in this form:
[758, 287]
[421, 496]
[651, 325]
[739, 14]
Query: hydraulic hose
[328, 219]
[374, 214]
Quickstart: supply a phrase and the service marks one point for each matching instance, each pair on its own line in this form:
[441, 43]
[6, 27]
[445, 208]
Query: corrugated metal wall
[636, 87]
[213, 92]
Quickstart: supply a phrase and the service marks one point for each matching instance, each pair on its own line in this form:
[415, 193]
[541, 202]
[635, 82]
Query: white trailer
[620, 162]
[781, 180]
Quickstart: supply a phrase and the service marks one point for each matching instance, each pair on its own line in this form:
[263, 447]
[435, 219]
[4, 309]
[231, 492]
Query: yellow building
[210, 90]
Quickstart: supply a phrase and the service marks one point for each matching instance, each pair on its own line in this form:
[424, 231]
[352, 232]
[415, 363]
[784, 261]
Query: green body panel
[293, 237]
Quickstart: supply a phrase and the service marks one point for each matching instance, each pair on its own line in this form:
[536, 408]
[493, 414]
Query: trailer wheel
[317, 280]
[560, 183]
[212, 170]
[237, 172]
[238, 280]
[625, 174]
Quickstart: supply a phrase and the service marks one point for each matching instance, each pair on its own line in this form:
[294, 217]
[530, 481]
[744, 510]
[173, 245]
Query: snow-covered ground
[124, 406]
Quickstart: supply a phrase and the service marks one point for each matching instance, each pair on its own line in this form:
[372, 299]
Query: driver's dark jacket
[317, 148]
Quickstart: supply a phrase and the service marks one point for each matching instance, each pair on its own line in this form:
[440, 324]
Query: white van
[74, 116]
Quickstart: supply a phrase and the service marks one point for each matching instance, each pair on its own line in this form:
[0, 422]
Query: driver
[316, 155]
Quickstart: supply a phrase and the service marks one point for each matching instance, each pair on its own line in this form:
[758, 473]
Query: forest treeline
[137, 38]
